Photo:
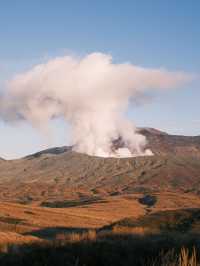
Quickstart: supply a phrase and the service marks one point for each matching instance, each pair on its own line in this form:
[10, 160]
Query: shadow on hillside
[72, 203]
[103, 249]
[181, 220]
[50, 233]
[124, 243]
[163, 222]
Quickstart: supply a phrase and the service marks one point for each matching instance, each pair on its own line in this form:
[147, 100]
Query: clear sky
[150, 33]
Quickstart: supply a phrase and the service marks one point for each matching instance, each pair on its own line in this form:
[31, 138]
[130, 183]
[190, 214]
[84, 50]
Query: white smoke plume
[92, 94]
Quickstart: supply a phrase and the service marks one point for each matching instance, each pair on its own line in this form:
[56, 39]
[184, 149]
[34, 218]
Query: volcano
[60, 174]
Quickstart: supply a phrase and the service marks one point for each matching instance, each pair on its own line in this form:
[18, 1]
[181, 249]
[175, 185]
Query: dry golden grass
[88, 216]
[12, 240]
[90, 235]
[87, 244]
[138, 230]
[185, 259]
[174, 200]
[91, 216]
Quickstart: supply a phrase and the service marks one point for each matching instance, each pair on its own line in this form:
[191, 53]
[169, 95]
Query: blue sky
[148, 33]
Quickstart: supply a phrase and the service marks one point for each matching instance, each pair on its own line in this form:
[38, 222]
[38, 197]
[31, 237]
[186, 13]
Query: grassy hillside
[77, 176]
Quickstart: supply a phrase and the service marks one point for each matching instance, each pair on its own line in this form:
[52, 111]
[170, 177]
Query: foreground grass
[106, 248]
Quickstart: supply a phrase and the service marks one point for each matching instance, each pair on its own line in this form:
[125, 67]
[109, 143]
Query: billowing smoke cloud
[92, 94]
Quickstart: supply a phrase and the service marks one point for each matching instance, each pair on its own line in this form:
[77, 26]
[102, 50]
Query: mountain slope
[58, 174]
